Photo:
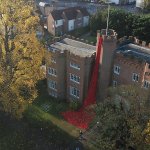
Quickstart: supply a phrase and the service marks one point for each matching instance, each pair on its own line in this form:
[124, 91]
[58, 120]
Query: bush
[74, 105]
[79, 32]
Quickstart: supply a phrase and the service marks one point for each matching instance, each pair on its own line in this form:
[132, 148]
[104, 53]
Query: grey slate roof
[71, 13]
[57, 14]
[75, 47]
[139, 52]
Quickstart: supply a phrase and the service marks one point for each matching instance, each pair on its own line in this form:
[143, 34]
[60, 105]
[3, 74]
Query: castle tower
[106, 62]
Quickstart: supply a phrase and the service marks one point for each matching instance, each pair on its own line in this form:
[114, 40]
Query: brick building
[45, 8]
[70, 67]
[69, 70]
[132, 66]
[65, 20]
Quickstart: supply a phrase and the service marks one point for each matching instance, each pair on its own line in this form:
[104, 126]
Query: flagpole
[107, 19]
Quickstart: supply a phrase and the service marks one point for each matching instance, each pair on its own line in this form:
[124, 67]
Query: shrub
[79, 32]
[74, 105]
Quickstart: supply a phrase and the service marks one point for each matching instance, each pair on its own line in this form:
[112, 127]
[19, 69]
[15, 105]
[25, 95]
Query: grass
[41, 128]
[90, 38]
[51, 109]
[79, 32]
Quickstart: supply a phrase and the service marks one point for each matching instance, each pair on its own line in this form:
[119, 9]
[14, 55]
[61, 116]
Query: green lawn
[90, 38]
[41, 128]
[51, 109]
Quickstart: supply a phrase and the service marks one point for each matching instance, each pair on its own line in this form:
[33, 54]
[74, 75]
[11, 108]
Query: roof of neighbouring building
[57, 14]
[70, 13]
[139, 52]
[43, 4]
[74, 47]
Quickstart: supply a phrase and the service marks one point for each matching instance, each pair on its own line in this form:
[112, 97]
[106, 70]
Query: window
[53, 60]
[52, 71]
[56, 21]
[135, 77]
[148, 66]
[74, 78]
[54, 94]
[146, 84]
[52, 84]
[74, 92]
[74, 65]
[116, 69]
[114, 83]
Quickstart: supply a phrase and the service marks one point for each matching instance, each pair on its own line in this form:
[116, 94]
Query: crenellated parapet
[108, 36]
[133, 40]
[57, 39]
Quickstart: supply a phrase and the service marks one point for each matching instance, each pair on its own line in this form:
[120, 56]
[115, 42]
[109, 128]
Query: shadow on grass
[47, 103]
[53, 129]
[34, 132]
[39, 130]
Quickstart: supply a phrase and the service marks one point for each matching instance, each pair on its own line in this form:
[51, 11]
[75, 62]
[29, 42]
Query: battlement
[134, 40]
[71, 37]
[110, 36]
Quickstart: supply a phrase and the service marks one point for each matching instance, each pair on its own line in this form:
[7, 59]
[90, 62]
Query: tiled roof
[70, 13]
[75, 47]
[57, 14]
[139, 52]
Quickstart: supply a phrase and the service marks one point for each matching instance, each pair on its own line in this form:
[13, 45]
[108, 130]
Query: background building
[140, 3]
[121, 1]
[65, 20]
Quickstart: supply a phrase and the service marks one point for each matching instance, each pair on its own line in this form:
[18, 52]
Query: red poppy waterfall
[83, 117]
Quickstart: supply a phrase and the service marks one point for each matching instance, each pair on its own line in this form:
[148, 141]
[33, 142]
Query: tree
[98, 21]
[124, 23]
[124, 119]
[20, 56]
[141, 27]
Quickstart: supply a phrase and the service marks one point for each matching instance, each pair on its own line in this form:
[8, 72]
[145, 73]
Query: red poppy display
[82, 118]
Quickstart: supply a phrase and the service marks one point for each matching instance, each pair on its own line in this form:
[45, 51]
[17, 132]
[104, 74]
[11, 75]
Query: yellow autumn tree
[21, 55]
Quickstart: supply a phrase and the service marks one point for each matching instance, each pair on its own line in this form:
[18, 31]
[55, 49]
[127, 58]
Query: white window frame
[52, 85]
[52, 71]
[135, 77]
[115, 83]
[146, 84]
[74, 65]
[74, 92]
[116, 69]
[74, 78]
